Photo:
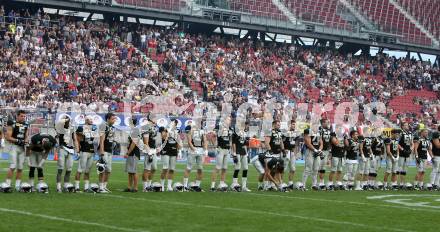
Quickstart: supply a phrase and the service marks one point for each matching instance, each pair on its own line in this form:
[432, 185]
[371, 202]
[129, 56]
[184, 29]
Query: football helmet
[42, 187]
[379, 185]
[100, 167]
[222, 187]
[284, 188]
[69, 188]
[195, 188]
[409, 186]
[428, 187]
[94, 187]
[236, 187]
[299, 185]
[5, 188]
[25, 187]
[178, 187]
[156, 187]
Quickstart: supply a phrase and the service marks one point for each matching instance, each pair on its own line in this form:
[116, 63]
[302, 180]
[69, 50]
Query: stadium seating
[171, 5]
[324, 12]
[391, 20]
[263, 8]
[427, 13]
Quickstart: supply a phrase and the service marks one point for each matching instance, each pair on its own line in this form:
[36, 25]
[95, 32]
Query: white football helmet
[68, 187]
[299, 185]
[428, 186]
[100, 167]
[194, 187]
[156, 187]
[283, 188]
[94, 187]
[25, 187]
[178, 187]
[379, 185]
[5, 188]
[222, 187]
[42, 187]
[236, 187]
[408, 186]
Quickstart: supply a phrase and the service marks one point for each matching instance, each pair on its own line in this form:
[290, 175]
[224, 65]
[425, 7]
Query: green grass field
[190, 211]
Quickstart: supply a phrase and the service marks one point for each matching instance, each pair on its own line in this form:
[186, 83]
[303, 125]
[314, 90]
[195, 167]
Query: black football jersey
[37, 141]
[241, 141]
[367, 146]
[19, 130]
[378, 146]
[315, 137]
[224, 137]
[422, 149]
[290, 139]
[326, 138]
[276, 141]
[405, 141]
[394, 146]
[88, 132]
[353, 149]
[435, 150]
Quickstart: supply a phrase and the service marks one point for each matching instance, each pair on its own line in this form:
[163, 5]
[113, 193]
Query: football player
[313, 154]
[106, 148]
[378, 148]
[198, 150]
[422, 147]
[325, 133]
[240, 143]
[224, 141]
[132, 157]
[406, 146]
[39, 148]
[337, 157]
[291, 144]
[268, 166]
[65, 134]
[364, 161]
[170, 149]
[85, 147]
[17, 137]
[150, 163]
[274, 142]
[392, 151]
[435, 144]
[353, 148]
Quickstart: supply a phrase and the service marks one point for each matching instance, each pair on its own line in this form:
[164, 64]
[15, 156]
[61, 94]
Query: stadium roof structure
[356, 32]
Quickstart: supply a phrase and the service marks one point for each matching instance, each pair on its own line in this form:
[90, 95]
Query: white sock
[198, 182]
[77, 184]
[385, 184]
[170, 184]
[58, 186]
[31, 182]
[101, 185]
[222, 183]
[105, 184]
[290, 182]
[358, 184]
[330, 183]
[212, 184]
[339, 183]
[185, 182]
[304, 179]
[149, 183]
[8, 182]
[421, 184]
[321, 182]
[234, 180]
[244, 182]
[162, 182]
[86, 184]
[394, 183]
[145, 185]
[17, 183]
[314, 180]
[260, 184]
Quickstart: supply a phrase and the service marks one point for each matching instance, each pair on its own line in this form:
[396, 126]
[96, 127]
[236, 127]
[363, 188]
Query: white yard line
[68, 220]
[265, 213]
[344, 202]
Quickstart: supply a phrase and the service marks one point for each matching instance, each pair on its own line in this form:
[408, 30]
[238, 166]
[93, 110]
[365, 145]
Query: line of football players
[354, 161]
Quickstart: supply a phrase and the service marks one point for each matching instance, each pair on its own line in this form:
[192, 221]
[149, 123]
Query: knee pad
[322, 171]
[245, 173]
[31, 172]
[40, 172]
[403, 173]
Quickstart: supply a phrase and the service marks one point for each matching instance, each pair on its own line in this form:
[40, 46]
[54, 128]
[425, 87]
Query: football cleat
[314, 187]
[291, 186]
[379, 185]
[322, 187]
[331, 188]
[236, 187]
[260, 188]
[178, 187]
[409, 186]
[435, 187]
[25, 187]
[365, 187]
[42, 188]
[5, 188]
[194, 188]
[395, 187]
[156, 187]
[246, 190]
[103, 191]
[69, 188]
[212, 189]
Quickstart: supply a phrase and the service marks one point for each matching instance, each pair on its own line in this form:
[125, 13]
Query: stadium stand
[66, 59]
[427, 13]
[392, 20]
